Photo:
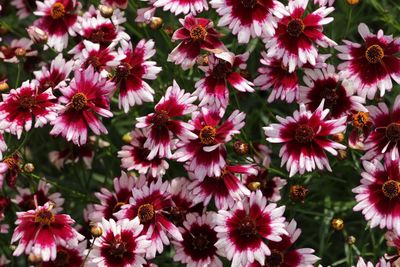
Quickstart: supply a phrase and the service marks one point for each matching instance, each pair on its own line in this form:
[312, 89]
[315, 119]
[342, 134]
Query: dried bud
[351, 240]
[155, 23]
[127, 138]
[169, 30]
[3, 29]
[96, 231]
[338, 137]
[241, 148]
[253, 186]
[342, 154]
[337, 224]
[298, 193]
[353, 2]
[37, 35]
[34, 259]
[106, 11]
[29, 167]
[4, 85]
[20, 52]
[202, 60]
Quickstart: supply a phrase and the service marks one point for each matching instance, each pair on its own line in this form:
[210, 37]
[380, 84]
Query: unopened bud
[34, 259]
[353, 2]
[298, 193]
[342, 154]
[127, 138]
[338, 137]
[351, 240]
[241, 148]
[3, 85]
[20, 52]
[96, 231]
[29, 167]
[155, 23]
[37, 35]
[337, 224]
[106, 11]
[253, 186]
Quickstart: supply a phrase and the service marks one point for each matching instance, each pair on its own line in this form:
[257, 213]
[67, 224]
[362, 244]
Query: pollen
[44, 217]
[374, 54]
[247, 227]
[57, 11]
[248, 3]
[161, 118]
[391, 189]
[295, 27]
[79, 101]
[304, 134]
[146, 213]
[207, 135]
[360, 119]
[26, 102]
[198, 33]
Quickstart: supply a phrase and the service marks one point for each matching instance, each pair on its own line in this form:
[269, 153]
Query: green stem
[18, 75]
[348, 22]
[89, 250]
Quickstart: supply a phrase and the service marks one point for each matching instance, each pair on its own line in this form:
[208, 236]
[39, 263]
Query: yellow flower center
[44, 217]
[198, 33]
[57, 11]
[374, 54]
[360, 119]
[79, 101]
[391, 189]
[146, 213]
[207, 135]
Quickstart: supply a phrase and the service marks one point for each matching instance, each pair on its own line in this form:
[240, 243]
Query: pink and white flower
[206, 154]
[185, 7]
[40, 230]
[18, 48]
[122, 4]
[384, 139]
[25, 7]
[121, 244]
[196, 34]
[135, 156]
[305, 137]
[149, 203]
[27, 105]
[132, 72]
[338, 94]
[382, 263]
[379, 192]
[164, 124]
[55, 76]
[249, 18]
[58, 19]
[4, 261]
[3, 146]
[324, 2]
[270, 187]
[282, 253]
[72, 154]
[371, 65]
[68, 256]
[226, 189]
[296, 35]
[145, 14]
[243, 230]
[84, 98]
[197, 248]
[111, 202]
[223, 68]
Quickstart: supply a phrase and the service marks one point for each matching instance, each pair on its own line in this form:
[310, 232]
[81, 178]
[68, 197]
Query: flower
[9, 170]
[223, 68]
[58, 18]
[249, 17]
[371, 65]
[205, 155]
[163, 125]
[40, 230]
[85, 97]
[282, 253]
[24, 104]
[177, 7]
[3, 146]
[130, 74]
[135, 156]
[197, 247]
[386, 135]
[382, 263]
[361, 128]
[325, 84]
[305, 137]
[37, 35]
[296, 34]
[149, 204]
[270, 187]
[25, 7]
[72, 154]
[122, 4]
[242, 231]
[121, 244]
[226, 189]
[17, 49]
[196, 34]
[111, 202]
[68, 256]
[379, 192]
[4, 261]
[55, 76]
[324, 2]
[28, 200]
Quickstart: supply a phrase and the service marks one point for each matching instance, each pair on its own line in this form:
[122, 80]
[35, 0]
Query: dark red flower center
[79, 101]
[330, 95]
[27, 102]
[221, 70]
[44, 217]
[207, 135]
[97, 36]
[247, 227]
[161, 118]
[248, 3]
[62, 259]
[360, 119]
[146, 213]
[117, 249]
[275, 259]
[391, 189]
[57, 11]
[201, 242]
[198, 33]
[304, 134]
[123, 70]
[393, 132]
[94, 61]
[12, 163]
[374, 54]
[295, 27]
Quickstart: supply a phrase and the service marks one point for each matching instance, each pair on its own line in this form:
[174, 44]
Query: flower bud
[351, 240]
[353, 2]
[202, 60]
[96, 231]
[34, 259]
[106, 11]
[298, 193]
[241, 148]
[127, 138]
[337, 224]
[342, 154]
[155, 23]
[37, 35]
[3, 85]
[338, 137]
[29, 167]
[20, 52]
[253, 186]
